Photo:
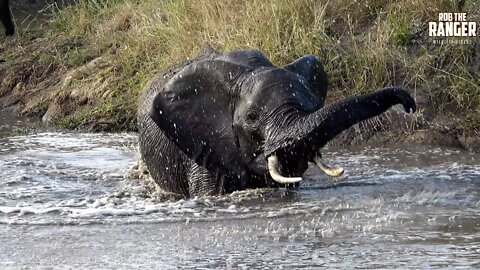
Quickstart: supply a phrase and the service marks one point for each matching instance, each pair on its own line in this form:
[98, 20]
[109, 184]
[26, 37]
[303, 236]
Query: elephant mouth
[288, 170]
[288, 150]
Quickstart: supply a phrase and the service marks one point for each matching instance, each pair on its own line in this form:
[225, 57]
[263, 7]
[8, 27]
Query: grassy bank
[90, 62]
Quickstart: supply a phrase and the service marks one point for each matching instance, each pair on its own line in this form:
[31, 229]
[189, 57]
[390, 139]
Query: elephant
[6, 18]
[225, 122]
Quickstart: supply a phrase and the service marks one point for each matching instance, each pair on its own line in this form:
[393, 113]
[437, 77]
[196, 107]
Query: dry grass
[364, 45]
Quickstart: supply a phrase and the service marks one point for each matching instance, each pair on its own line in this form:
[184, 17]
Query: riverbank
[84, 66]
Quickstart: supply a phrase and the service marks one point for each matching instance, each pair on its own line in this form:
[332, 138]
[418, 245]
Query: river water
[65, 203]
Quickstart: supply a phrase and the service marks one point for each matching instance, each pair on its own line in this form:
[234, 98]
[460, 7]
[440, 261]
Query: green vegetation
[94, 58]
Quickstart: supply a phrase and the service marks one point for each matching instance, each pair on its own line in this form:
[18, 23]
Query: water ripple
[395, 207]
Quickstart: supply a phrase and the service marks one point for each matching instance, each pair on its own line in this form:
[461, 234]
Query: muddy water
[65, 203]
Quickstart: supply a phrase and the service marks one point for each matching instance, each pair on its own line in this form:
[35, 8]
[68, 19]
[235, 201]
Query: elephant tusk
[330, 171]
[275, 174]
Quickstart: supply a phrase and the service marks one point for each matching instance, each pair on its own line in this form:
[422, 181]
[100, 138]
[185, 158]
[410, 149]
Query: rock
[470, 142]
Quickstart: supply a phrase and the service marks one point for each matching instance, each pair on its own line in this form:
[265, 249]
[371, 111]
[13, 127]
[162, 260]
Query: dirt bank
[396, 127]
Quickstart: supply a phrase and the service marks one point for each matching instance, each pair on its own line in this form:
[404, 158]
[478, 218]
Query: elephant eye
[252, 117]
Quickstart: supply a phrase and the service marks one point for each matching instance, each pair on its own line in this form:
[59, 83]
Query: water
[65, 203]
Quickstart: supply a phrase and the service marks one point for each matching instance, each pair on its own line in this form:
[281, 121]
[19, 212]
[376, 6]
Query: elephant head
[238, 114]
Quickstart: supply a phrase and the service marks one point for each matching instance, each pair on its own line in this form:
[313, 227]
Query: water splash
[395, 207]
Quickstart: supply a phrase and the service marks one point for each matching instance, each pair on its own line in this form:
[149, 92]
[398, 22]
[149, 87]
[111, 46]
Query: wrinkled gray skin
[208, 125]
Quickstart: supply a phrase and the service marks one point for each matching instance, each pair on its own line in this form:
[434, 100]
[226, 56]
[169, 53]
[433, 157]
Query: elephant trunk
[314, 130]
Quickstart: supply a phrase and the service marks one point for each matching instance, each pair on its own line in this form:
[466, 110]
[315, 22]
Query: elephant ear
[194, 110]
[310, 68]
